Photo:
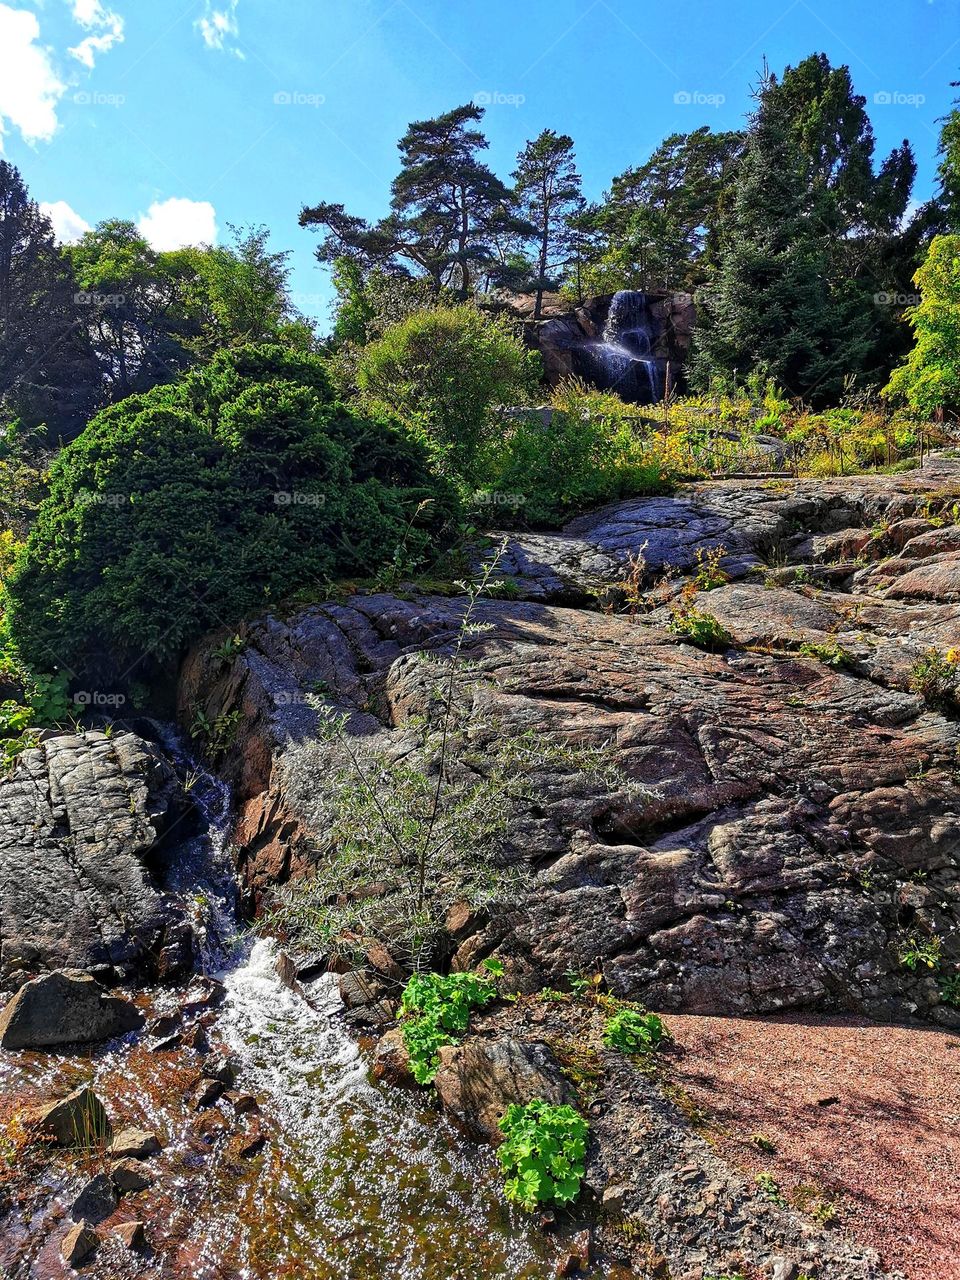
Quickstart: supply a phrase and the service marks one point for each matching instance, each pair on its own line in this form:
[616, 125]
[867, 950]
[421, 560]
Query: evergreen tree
[447, 209]
[47, 373]
[930, 379]
[948, 170]
[548, 192]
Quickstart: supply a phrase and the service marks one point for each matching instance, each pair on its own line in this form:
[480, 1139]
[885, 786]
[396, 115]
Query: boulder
[480, 1078]
[79, 1245]
[130, 1175]
[132, 1235]
[64, 1007]
[96, 1201]
[78, 1120]
[81, 817]
[392, 1061]
[135, 1143]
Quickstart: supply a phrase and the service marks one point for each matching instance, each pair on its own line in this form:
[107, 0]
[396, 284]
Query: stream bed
[354, 1180]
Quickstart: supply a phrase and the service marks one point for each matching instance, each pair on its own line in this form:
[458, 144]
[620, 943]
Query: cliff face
[787, 821]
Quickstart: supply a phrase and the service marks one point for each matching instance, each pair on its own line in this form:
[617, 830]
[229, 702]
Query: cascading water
[357, 1180]
[623, 361]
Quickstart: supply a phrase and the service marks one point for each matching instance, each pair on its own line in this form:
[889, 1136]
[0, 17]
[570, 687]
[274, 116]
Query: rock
[782, 1269]
[135, 1143]
[251, 1142]
[79, 1244]
[205, 993]
[580, 1256]
[220, 1067]
[615, 1197]
[196, 1038]
[242, 1103]
[392, 1061]
[78, 1120]
[130, 1175]
[96, 1201]
[206, 1094]
[64, 1007]
[478, 1079]
[81, 817]
[132, 1235]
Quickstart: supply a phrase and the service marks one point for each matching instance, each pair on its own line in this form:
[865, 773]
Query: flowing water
[623, 361]
[356, 1181]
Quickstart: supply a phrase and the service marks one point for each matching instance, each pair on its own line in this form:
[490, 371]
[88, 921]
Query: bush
[589, 453]
[436, 1010]
[442, 372]
[543, 1153]
[186, 507]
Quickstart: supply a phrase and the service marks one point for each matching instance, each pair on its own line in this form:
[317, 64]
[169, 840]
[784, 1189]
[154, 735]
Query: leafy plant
[949, 984]
[707, 574]
[769, 1188]
[436, 1010]
[543, 1153]
[633, 1032]
[918, 953]
[699, 627]
[829, 652]
[933, 676]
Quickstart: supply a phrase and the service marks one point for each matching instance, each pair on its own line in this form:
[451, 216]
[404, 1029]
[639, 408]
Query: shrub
[700, 628]
[442, 372]
[436, 1009]
[189, 506]
[589, 453]
[633, 1032]
[543, 1153]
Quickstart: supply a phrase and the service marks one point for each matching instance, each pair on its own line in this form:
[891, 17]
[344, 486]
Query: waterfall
[623, 361]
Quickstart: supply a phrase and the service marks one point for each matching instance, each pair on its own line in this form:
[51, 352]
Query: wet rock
[79, 1245]
[579, 1257]
[137, 1144]
[64, 1007]
[242, 1103]
[78, 1120]
[392, 1061]
[80, 818]
[96, 1201]
[366, 998]
[220, 1067]
[251, 1142]
[132, 1235]
[479, 1079]
[206, 1094]
[205, 993]
[130, 1175]
[196, 1038]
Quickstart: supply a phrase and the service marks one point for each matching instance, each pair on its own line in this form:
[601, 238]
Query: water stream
[357, 1180]
[623, 360]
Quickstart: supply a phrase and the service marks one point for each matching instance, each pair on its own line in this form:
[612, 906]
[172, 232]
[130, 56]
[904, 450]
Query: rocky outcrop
[479, 1079]
[64, 1007]
[786, 817]
[81, 817]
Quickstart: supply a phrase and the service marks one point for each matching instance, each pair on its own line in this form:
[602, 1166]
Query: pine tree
[47, 372]
[548, 193]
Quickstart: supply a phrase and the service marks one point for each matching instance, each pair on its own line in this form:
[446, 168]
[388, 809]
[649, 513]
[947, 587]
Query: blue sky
[192, 115]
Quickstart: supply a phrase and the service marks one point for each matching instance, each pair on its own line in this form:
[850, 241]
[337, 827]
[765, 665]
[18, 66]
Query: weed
[769, 1189]
[543, 1153]
[763, 1143]
[828, 652]
[700, 628]
[633, 1032]
[918, 953]
[949, 984]
[933, 676]
[708, 575]
[436, 1010]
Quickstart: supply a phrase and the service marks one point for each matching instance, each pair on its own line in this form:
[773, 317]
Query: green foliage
[933, 676]
[547, 190]
[707, 573]
[436, 1009]
[187, 507]
[769, 1189]
[589, 453]
[949, 984]
[699, 627]
[441, 372]
[920, 953]
[930, 379]
[829, 652]
[633, 1032]
[543, 1153]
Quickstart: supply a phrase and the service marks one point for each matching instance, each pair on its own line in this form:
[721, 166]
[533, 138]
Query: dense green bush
[436, 1009]
[443, 372]
[543, 1153]
[182, 509]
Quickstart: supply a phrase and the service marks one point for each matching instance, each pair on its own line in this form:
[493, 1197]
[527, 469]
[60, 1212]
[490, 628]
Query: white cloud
[174, 223]
[106, 26]
[29, 85]
[218, 24]
[68, 226]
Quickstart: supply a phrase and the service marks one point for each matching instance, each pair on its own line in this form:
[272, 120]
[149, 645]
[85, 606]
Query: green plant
[917, 953]
[933, 676]
[699, 627]
[949, 984]
[769, 1188]
[828, 652]
[198, 502]
[229, 649]
[707, 574]
[436, 1011]
[633, 1032]
[217, 734]
[762, 1143]
[543, 1153]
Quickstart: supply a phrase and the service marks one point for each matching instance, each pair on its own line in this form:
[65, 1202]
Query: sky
[187, 117]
